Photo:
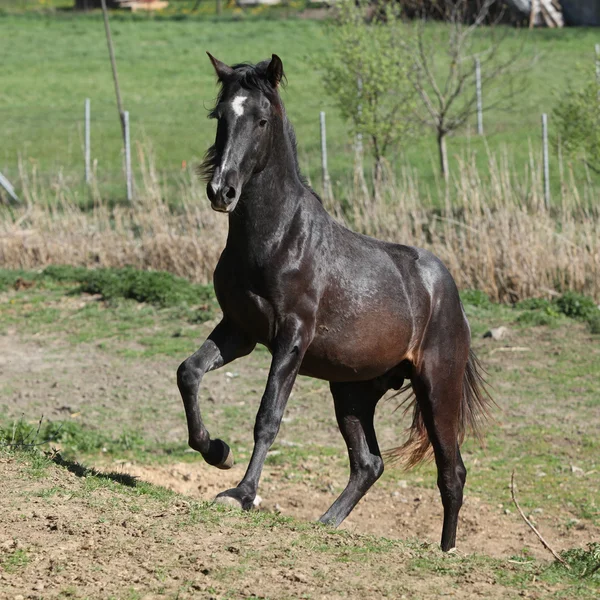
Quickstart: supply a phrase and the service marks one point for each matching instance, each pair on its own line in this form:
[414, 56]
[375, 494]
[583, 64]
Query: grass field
[100, 370]
[167, 85]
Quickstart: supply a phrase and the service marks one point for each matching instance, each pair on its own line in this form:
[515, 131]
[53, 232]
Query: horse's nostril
[231, 193]
[211, 192]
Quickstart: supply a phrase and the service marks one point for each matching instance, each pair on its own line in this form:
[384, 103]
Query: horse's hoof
[219, 455]
[228, 501]
[228, 462]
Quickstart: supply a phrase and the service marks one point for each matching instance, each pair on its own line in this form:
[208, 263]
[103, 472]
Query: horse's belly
[361, 351]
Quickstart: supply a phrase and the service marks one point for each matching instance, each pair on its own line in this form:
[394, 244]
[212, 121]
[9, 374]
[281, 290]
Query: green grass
[167, 85]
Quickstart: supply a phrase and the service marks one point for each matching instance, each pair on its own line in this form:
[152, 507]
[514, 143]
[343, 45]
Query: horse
[363, 314]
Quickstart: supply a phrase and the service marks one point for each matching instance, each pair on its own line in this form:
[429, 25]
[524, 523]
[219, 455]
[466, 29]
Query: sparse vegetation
[490, 238]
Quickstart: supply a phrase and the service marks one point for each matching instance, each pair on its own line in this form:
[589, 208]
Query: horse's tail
[474, 410]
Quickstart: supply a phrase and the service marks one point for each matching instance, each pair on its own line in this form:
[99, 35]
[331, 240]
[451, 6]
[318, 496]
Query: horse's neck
[269, 202]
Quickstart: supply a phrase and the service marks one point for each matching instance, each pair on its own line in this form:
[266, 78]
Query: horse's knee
[369, 469]
[461, 471]
[187, 376]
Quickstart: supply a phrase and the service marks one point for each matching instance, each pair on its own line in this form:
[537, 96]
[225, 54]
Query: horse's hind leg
[355, 408]
[438, 389]
[223, 345]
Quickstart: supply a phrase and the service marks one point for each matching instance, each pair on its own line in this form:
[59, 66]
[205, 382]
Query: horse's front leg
[289, 347]
[224, 344]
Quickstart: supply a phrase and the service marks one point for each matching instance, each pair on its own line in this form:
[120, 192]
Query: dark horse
[328, 303]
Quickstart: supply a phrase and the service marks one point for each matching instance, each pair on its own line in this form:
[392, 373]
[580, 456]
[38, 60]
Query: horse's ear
[221, 69]
[275, 71]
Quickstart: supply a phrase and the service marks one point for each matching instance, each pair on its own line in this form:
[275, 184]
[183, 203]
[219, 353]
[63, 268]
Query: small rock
[496, 333]
[576, 470]
[507, 511]
[403, 483]
[39, 586]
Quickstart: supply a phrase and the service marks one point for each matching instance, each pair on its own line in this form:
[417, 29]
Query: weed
[475, 298]
[583, 562]
[538, 317]
[534, 304]
[15, 560]
[594, 323]
[576, 306]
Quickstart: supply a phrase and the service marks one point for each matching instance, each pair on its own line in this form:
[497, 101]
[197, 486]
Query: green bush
[475, 298]
[534, 304]
[594, 323]
[154, 287]
[576, 306]
[537, 318]
[583, 562]
[577, 118]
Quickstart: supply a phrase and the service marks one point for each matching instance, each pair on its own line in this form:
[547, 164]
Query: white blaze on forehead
[238, 105]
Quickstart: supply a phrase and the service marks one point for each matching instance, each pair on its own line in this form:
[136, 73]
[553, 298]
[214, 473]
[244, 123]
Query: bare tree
[448, 95]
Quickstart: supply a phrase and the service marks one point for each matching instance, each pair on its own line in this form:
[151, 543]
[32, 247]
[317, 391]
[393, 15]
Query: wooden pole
[546, 161]
[324, 155]
[128, 157]
[113, 64]
[479, 97]
[88, 169]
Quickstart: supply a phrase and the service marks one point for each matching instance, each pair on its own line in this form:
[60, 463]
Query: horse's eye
[262, 122]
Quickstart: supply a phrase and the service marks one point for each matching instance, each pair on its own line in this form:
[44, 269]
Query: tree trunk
[441, 138]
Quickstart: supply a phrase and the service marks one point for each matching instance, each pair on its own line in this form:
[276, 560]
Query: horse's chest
[251, 312]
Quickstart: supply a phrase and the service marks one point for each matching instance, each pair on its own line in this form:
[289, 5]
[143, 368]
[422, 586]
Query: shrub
[576, 306]
[475, 298]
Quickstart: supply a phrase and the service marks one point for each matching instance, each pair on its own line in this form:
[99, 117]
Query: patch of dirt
[101, 545]
[60, 539]
[390, 509]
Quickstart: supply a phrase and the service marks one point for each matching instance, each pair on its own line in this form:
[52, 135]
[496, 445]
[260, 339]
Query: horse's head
[248, 112]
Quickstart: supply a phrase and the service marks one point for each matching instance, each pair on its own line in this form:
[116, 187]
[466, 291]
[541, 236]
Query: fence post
[88, 170]
[127, 155]
[546, 165]
[479, 97]
[326, 186]
[598, 69]
[359, 144]
[5, 183]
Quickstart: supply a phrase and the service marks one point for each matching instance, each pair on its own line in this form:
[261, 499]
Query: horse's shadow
[82, 471]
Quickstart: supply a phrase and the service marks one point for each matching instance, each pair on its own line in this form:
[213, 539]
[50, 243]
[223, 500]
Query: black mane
[252, 77]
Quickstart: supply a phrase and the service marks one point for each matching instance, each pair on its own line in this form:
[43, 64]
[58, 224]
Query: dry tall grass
[493, 235]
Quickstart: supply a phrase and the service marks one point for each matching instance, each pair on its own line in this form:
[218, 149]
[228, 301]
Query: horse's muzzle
[223, 198]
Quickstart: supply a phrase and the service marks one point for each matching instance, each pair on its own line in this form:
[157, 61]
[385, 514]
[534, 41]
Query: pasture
[168, 85]
[100, 369]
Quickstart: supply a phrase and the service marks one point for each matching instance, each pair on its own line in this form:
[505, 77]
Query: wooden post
[479, 97]
[219, 7]
[546, 164]
[113, 64]
[128, 157]
[88, 169]
[324, 155]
